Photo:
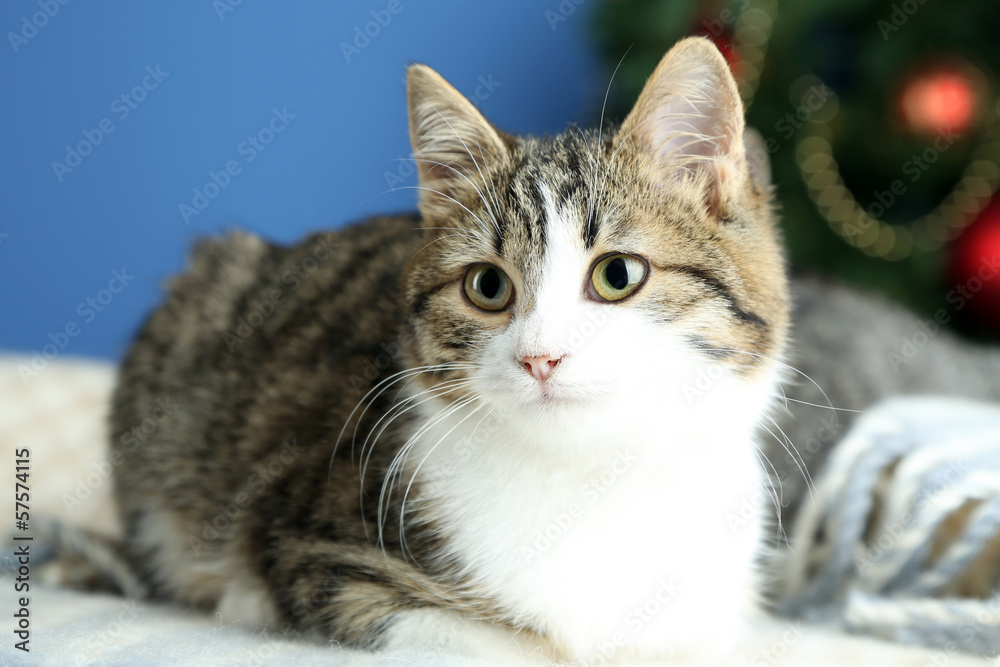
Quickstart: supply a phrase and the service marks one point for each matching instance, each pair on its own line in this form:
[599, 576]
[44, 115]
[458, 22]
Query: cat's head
[598, 272]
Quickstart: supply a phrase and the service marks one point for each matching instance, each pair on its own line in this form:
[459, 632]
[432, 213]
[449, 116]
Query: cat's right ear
[688, 124]
[452, 142]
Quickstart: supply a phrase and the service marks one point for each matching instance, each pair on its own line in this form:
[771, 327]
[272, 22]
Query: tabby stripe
[590, 232]
[501, 233]
[285, 323]
[703, 345]
[420, 302]
[536, 210]
[719, 288]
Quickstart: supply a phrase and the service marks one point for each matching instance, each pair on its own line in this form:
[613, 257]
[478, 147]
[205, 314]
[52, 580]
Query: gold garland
[821, 173]
[877, 238]
[751, 34]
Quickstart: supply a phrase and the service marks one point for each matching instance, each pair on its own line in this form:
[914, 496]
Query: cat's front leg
[362, 598]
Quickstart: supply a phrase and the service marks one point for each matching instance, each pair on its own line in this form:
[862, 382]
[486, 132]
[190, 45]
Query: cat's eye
[616, 276]
[488, 287]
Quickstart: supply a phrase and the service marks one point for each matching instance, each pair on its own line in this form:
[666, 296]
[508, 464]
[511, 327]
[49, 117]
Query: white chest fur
[612, 540]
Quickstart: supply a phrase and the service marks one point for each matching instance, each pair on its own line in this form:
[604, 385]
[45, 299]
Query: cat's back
[256, 342]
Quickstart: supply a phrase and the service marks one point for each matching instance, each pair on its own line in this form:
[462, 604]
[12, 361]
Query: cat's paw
[444, 632]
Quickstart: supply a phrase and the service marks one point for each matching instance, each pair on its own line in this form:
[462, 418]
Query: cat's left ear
[689, 121]
[453, 144]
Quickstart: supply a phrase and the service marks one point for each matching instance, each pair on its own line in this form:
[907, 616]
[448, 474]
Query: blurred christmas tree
[881, 123]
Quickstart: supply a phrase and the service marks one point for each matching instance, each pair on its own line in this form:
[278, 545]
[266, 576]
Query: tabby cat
[514, 426]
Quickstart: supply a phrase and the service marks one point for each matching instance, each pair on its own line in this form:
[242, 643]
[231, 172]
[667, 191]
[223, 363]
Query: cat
[513, 426]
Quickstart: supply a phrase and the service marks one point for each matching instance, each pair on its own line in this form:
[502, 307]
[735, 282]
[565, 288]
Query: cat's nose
[540, 367]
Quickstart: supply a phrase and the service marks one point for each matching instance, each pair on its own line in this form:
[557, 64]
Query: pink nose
[540, 367]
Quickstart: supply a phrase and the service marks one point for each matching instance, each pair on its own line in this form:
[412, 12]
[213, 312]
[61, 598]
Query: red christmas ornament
[975, 268]
[940, 99]
[720, 35]
[725, 44]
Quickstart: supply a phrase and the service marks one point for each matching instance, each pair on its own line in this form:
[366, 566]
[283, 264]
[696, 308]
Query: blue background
[332, 164]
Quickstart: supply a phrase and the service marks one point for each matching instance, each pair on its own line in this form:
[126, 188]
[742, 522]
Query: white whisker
[396, 411]
[593, 207]
[398, 461]
[406, 493]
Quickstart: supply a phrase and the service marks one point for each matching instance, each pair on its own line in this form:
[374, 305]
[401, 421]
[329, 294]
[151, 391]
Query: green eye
[488, 287]
[617, 276]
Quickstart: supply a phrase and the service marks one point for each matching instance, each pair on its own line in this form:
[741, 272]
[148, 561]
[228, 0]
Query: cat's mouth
[549, 396]
[552, 395]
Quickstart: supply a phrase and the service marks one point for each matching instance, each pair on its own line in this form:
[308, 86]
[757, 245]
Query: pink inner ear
[695, 129]
[684, 135]
[697, 136]
[452, 142]
[689, 119]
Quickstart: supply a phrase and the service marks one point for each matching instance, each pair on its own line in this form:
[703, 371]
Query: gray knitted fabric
[946, 452]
